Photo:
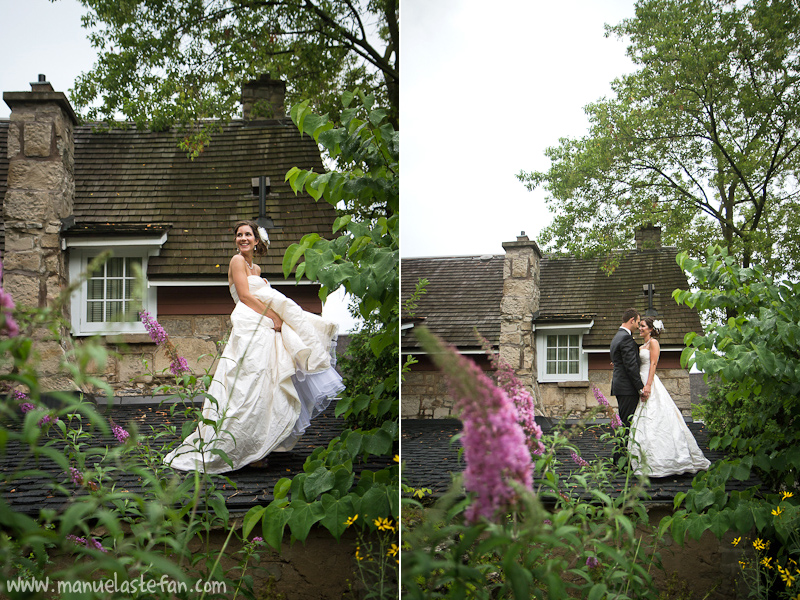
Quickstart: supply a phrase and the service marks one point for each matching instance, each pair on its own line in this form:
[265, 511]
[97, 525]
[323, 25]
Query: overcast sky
[486, 87]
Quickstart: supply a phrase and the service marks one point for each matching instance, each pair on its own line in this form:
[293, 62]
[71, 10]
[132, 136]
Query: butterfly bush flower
[120, 434]
[603, 401]
[76, 476]
[526, 408]
[616, 421]
[9, 325]
[578, 460]
[88, 542]
[26, 407]
[154, 328]
[495, 446]
[47, 419]
[178, 364]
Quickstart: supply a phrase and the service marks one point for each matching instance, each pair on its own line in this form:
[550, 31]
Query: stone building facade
[551, 319]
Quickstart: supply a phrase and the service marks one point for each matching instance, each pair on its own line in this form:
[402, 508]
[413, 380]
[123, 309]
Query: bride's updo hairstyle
[651, 323]
[261, 247]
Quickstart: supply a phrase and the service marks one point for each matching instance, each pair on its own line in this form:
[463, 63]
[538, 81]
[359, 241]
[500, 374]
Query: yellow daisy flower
[397, 458]
[392, 551]
[736, 541]
[766, 561]
[351, 520]
[777, 512]
[786, 495]
[758, 544]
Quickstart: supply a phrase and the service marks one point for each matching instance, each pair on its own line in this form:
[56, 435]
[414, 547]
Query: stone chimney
[648, 238]
[40, 193]
[263, 98]
[521, 293]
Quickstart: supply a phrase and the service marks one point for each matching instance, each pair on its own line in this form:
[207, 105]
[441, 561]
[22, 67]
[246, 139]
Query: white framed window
[108, 300]
[559, 352]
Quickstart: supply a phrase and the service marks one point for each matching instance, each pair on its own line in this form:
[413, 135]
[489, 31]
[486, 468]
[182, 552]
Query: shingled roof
[139, 179]
[465, 292]
[573, 285]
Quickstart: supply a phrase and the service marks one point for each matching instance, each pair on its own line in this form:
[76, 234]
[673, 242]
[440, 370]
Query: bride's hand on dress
[277, 322]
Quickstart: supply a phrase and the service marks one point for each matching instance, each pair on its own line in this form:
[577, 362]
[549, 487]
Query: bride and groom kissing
[658, 441]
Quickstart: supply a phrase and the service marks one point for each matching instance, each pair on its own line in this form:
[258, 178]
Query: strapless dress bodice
[254, 281]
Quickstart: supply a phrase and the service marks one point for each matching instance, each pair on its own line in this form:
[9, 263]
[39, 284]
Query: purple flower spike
[616, 421]
[17, 395]
[592, 562]
[120, 434]
[76, 476]
[578, 460]
[178, 366]
[47, 419]
[495, 446]
[26, 407]
[598, 395]
[156, 331]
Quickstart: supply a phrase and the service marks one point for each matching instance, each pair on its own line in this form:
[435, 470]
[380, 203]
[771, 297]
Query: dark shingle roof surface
[253, 486]
[462, 293]
[141, 178]
[429, 458]
[465, 292]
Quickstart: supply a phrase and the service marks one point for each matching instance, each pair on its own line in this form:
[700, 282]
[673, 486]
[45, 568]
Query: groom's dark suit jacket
[626, 380]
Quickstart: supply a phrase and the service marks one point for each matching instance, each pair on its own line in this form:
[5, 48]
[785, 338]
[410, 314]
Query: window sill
[573, 384]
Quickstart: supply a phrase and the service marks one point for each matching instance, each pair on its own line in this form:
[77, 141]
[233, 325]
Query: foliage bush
[753, 367]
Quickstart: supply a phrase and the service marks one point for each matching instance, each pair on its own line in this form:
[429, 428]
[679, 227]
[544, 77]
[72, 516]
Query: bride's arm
[237, 270]
[655, 352]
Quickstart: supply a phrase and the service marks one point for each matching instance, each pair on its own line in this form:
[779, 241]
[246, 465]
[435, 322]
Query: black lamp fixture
[261, 187]
[650, 291]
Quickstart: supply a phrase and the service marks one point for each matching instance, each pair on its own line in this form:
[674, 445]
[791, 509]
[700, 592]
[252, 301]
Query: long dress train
[267, 387]
[661, 443]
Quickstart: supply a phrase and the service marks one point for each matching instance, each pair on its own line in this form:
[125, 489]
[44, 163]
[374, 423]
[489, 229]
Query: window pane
[114, 311]
[562, 368]
[573, 340]
[130, 263]
[114, 267]
[573, 368]
[573, 354]
[563, 340]
[114, 289]
[94, 312]
[95, 290]
[562, 354]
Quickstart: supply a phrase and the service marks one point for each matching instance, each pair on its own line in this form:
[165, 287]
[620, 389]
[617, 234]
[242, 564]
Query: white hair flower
[262, 233]
[659, 325]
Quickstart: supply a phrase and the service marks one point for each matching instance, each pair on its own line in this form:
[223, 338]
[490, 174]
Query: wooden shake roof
[140, 179]
[465, 292]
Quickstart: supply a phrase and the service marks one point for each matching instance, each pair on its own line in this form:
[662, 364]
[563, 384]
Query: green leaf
[321, 480]
[273, 524]
[252, 517]
[304, 516]
[336, 513]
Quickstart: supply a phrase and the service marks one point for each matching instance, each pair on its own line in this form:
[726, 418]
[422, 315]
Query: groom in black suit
[626, 383]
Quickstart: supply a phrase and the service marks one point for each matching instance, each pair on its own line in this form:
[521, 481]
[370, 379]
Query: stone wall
[424, 394]
[136, 366]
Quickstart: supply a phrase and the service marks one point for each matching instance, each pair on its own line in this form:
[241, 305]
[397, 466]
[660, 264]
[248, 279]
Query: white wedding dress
[267, 387]
[661, 443]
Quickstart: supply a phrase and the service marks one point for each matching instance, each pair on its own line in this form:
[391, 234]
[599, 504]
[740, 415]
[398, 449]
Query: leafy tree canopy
[165, 62]
[702, 139]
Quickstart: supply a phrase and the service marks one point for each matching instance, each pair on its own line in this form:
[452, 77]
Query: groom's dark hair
[629, 314]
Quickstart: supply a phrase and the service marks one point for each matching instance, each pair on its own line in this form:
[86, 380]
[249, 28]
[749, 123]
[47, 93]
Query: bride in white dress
[275, 374]
[661, 443]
